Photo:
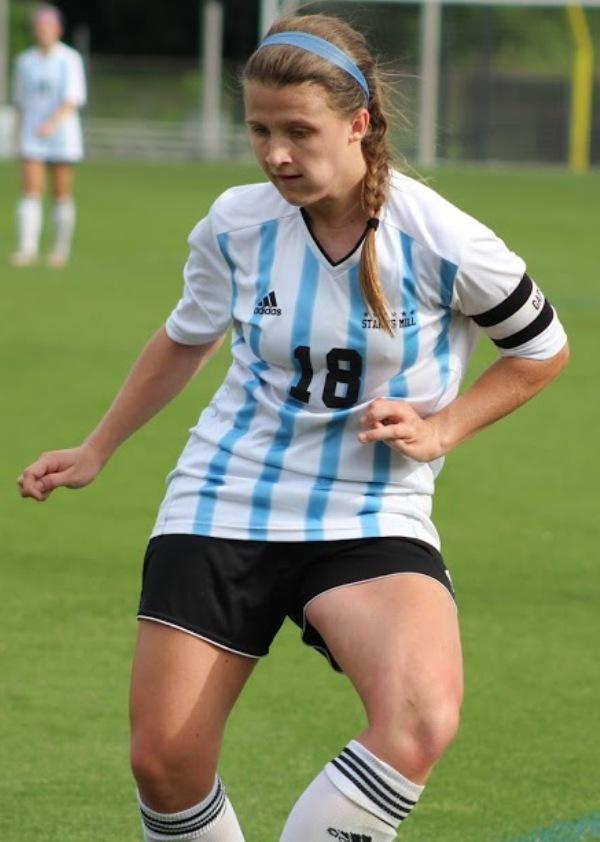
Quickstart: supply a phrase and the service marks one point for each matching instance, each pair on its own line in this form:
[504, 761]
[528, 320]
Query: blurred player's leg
[397, 640]
[182, 692]
[64, 214]
[29, 214]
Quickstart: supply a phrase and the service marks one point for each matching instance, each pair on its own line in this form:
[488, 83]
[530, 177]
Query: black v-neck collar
[331, 262]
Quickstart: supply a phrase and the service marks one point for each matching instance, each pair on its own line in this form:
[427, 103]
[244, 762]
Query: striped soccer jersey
[275, 456]
[41, 84]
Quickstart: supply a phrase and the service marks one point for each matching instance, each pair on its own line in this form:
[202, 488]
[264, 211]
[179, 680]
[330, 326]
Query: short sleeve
[18, 85]
[203, 312]
[75, 87]
[493, 288]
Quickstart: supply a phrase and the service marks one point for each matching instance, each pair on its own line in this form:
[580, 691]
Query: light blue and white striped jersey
[43, 82]
[275, 456]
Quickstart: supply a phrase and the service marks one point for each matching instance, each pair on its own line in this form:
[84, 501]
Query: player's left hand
[400, 426]
[47, 128]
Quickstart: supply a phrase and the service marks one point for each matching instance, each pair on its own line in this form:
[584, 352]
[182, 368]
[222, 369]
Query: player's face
[46, 29]
[309, 151]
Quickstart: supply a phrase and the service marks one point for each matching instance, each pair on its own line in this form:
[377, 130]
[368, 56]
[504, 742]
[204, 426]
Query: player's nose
[278, 154]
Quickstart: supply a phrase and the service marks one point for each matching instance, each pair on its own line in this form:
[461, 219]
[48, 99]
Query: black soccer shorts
[236, 594]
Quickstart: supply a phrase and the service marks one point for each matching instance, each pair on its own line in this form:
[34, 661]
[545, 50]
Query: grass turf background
[516, 507]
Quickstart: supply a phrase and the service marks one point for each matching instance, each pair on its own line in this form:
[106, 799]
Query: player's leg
[182, 691]
[398, 641]
[29, 213]
[64, 214]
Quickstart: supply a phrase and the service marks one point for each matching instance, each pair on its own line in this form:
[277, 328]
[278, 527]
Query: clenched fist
[72, 468]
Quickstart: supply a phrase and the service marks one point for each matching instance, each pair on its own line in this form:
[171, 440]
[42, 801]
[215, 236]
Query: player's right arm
[161, 371]
[18, 97]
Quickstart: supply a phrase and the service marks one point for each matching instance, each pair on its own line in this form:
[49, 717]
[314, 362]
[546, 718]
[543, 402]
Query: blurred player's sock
[64, 225]
[357, 798]
[29, 227]
[212, 820]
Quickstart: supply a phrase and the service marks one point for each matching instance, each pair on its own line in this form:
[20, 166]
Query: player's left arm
[49, 126]
[502, 388]
[492, 288]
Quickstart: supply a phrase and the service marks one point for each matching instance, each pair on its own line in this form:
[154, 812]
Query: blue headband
[320, 47]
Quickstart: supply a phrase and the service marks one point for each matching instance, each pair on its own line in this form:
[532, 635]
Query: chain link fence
[150, 108]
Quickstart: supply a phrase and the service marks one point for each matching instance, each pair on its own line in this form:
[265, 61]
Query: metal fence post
[431, 14]
[212, 70]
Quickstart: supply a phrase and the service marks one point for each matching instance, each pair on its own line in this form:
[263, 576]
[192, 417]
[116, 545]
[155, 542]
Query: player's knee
[434, 731]
[151, 764]
[420, 732]
[161, 767]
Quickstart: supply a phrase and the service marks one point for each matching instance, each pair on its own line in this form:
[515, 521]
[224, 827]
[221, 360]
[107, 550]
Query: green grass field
[517, 509]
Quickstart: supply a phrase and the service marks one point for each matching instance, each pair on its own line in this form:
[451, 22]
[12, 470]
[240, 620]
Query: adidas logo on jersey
[399, 320]
[348, 836]
[267, 306]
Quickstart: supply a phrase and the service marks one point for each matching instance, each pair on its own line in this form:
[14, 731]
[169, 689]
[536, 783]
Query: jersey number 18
[344, 366]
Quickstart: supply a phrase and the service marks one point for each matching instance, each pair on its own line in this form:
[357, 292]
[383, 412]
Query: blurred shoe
[24, 258]
[57, 259]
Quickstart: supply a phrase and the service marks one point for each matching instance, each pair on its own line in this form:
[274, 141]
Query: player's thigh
[182, 691]
[33, 177]
[397, 638]
[62, 180]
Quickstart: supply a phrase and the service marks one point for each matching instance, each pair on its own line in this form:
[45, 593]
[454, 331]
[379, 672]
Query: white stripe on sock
[373, 784]
[64, 225]
[186, 824]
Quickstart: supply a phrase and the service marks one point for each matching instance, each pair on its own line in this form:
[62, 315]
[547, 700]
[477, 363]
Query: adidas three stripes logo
[267, 306]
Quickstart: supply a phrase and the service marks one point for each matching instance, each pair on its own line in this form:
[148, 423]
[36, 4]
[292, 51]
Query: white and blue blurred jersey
[275, 456]
[42, 83]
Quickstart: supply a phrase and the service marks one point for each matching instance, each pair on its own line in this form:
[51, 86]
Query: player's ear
[359, 125]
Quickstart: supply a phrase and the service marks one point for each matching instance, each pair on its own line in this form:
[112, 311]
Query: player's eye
[299, 134]
[259, 131]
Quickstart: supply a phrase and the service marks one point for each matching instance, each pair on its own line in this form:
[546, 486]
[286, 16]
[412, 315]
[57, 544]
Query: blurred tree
[162, 27]
[20, 37]
[531, 37]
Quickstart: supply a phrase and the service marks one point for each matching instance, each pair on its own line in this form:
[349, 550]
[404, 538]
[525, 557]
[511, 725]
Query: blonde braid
[374, 194]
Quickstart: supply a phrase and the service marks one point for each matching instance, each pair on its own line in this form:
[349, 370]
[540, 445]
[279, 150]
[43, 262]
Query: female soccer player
[49, 88]
[355, 295]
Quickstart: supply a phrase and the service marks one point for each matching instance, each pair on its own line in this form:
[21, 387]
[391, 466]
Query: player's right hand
[72, 468]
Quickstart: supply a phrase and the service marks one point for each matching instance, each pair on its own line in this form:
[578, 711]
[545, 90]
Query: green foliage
[131, 27]
[151, 89]
[517, 509]
[535, 39]
[505, 37]
[19, 27]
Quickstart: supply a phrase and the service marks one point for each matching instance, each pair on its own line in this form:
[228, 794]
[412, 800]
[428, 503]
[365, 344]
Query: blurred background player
[49, 90]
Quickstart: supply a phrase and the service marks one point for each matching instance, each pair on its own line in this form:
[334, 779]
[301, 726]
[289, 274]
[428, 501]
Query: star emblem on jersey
[267, 306]
[406, 318]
